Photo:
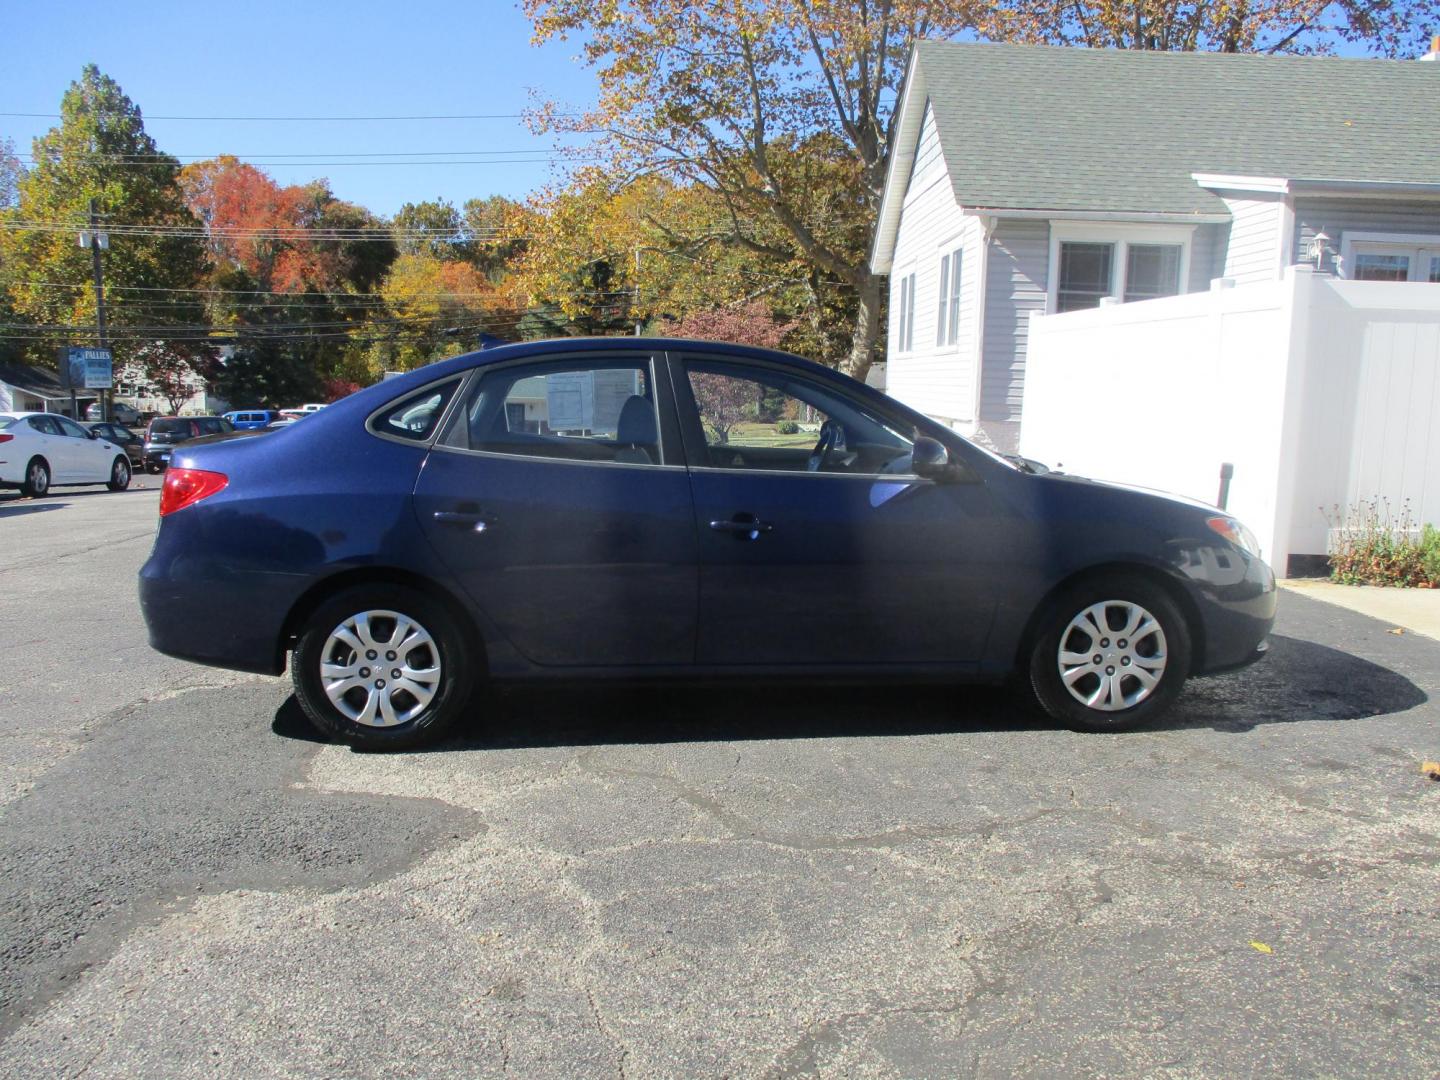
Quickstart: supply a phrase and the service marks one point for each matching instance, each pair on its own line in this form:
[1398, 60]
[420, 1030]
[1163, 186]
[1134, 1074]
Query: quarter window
[415, 417]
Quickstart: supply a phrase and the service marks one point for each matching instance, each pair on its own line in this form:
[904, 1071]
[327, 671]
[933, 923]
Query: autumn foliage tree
[756, 99]
[1397, 28]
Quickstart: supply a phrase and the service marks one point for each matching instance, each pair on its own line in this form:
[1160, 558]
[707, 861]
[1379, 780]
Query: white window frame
[1421, 248]
[905, 312]
[949, 300]
[1121, 235]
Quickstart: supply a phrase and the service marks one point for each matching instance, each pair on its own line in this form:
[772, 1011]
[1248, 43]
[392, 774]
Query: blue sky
[307, 58]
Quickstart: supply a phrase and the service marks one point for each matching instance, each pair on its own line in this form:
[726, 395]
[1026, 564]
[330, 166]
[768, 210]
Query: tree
[172, 369]
[747, 324]
[743, 96]
[99, 150]
[722, 401]
[432, 308]
[430, 228]
[1396, 28]
[11, 173]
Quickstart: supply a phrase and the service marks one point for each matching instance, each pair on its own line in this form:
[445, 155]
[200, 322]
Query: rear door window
[602, 410]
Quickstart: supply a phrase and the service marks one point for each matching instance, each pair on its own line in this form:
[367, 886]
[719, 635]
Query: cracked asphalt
[745, 881]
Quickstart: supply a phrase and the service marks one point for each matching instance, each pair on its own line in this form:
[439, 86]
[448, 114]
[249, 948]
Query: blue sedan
[650, 508]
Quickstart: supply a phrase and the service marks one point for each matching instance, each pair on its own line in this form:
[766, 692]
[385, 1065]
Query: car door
[87, 460]
[46, 442]
[558, 497]
[843, 558]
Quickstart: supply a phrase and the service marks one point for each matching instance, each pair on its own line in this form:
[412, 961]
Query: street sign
[84, 368]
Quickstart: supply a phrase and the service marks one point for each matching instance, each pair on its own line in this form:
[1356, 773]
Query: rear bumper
[209, 607]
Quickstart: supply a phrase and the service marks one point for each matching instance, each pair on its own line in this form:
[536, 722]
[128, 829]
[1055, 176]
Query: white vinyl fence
[1320, 392]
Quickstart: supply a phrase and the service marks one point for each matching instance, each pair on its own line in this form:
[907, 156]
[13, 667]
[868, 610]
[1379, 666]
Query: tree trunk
[867, 328]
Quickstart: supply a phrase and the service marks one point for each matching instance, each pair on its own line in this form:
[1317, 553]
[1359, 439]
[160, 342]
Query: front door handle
[743, 526]
[455, 517]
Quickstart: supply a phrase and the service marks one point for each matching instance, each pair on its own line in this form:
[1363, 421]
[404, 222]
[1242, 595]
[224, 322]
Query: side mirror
[930, 459]
[91, 433]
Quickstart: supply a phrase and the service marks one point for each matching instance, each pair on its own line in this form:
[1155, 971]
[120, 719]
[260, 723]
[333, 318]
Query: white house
[1162, 268]
[1033, 180]
[24, 388]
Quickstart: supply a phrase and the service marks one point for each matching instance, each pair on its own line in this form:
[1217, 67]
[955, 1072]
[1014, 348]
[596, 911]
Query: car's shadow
[13, 504]
[1298, 681]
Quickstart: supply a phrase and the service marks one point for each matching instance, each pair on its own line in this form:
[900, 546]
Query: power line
[446, 161]
[303, 119]
[245, 159]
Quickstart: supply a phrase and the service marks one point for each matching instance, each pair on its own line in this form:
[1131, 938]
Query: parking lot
[744, 881]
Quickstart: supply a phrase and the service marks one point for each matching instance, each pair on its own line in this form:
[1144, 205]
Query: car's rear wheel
[37, 478]
[382, 667]
[1112, 654]
[119, 474]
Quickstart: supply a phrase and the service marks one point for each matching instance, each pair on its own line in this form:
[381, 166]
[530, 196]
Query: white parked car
[311, 406]
[39, 450]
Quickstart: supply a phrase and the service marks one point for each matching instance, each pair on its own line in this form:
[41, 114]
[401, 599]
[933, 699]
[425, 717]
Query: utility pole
[96, 240]
[638, 325]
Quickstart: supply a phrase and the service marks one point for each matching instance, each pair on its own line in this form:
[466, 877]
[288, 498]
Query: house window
[947, 315]
[1085, 273]
[1390, 257]
[905, 339]
[1371, 266]
[1128, 261]
[1151, 270]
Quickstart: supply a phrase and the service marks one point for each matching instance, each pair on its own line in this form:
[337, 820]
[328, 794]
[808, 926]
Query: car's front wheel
[382, 667]
[1112, 654]
[119, 475]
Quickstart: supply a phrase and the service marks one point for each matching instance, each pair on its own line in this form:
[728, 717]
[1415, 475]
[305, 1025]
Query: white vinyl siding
[1018, 263]
[937, 377]
[1255, 251]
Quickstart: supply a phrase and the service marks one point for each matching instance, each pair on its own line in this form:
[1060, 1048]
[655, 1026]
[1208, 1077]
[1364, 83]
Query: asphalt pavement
[701, 882]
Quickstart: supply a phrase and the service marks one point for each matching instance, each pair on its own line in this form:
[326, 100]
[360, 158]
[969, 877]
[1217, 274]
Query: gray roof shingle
[1046, 128]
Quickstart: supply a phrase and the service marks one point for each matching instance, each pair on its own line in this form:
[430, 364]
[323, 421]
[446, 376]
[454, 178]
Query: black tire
[456, 661]
[1125, 593]
[119, 474]
[37, 478]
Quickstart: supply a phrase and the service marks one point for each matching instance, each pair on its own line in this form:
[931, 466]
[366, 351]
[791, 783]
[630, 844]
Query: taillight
[185, 487]
[6, 438]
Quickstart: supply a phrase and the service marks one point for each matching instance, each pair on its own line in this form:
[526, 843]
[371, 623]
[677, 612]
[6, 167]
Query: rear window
[170, 426]
[6, 421]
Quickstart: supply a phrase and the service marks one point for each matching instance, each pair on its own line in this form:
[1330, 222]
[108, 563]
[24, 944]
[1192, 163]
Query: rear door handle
[743, 527]
[456, 517]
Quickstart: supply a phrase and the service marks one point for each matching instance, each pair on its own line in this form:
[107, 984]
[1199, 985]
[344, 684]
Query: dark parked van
[165, 432]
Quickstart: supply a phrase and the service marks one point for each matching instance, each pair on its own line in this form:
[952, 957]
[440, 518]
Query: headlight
[1236, 533]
